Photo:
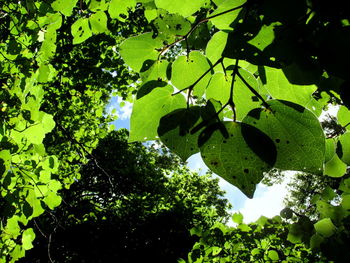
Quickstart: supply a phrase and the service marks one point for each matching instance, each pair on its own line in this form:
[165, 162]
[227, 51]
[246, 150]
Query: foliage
[135, 209]
[268, 68]
[262, 241]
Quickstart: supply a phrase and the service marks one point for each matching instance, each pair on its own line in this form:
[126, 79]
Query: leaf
[286, 213]
[343, 148]
[224, 21]
[237, 218]
[28, 237]
[155, 70]
[119, 8]
[273, 255]
[280, 88]
[81, 30]
[344, 117]
[241, 157]
[148, 110]
[98, 22]
[52, 200]
[263, 38]
[335, 167]
[296, 132]
[64, 6]
[325, 227]
[187, 70]
[136, 50]
[330, 149]
[174, 131]
[172, 25]
[181, 7]
[216, 46]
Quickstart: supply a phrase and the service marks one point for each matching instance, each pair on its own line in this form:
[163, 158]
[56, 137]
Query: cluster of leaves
[52, 100]
[131, 211]
[243, 83]
[262, 241]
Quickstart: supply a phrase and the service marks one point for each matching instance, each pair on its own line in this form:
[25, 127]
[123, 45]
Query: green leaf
[64, 6]
[286, 213]
[237, 218]
[172, 25]
[273, 255]
[136, 50]
[335, 167]
[224, 21]
[154, 70]
[28, 237]
[280, 88]
[52, 200]
[344, 116]
[148, 110]
[119, 8]
[239, 153]
[263, 38]
[330, 149]
[325, 227]
[98, 22]
[216, 46]
[316, 241]
[81, 30]
[5, 161]
[187, 70]
[174, 131]
[343, 149]
[181, 7]
[295, 233]
[296, 132]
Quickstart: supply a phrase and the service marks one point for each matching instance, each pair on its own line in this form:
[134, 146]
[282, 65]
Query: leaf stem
[230, 100]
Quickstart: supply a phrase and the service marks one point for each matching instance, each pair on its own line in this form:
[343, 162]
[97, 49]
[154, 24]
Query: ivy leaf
[136, 50]
[81, 30]
[118, 9]
[240, 156]
[64, 6]
[174, 131]
[325, 227]
[149, 109]
[181, 7]
[296, 132]
[187, 70]
[98, 22]
[28, 237]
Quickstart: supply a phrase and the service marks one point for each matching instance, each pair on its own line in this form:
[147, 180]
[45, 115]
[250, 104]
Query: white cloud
[267, 201]
[123, 112]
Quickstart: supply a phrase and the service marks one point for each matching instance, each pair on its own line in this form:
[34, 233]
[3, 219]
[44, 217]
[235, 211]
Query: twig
[253, 90]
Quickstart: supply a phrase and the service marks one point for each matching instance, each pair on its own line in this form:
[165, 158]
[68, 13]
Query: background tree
[131, 204]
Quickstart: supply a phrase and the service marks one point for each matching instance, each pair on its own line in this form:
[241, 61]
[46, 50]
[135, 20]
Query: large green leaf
[216, 46]
[182, 7]
[28, 237]
[344, 117]
[149, 109]
[174, 131]
[325, 227]
[296, 132]
[186, 70]
[136, 50]
[239, 153]
[64, 6]
[280, 88]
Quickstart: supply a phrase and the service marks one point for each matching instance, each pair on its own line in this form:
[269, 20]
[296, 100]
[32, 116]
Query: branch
[230, 100]
[253, 90]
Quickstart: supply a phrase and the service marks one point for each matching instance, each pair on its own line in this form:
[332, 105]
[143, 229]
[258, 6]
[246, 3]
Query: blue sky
[267, 201]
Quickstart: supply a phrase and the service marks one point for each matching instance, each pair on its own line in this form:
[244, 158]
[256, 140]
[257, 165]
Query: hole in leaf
[287, 142]
[277, 140]
[246, 170]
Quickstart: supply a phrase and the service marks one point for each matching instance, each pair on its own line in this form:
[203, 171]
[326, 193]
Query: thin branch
[230, 100]
[253, 90]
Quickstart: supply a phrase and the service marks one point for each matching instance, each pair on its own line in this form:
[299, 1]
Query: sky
[267, 201]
